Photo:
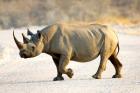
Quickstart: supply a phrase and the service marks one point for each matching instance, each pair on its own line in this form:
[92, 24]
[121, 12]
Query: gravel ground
[35, 75]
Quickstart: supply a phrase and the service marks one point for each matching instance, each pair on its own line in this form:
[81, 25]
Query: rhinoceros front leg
[59, 74]
[64, 60]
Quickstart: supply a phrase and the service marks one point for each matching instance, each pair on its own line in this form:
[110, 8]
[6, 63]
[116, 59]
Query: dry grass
[118, 20]
[18, 13]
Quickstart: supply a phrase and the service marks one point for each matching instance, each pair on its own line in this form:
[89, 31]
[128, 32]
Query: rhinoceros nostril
[23, 55]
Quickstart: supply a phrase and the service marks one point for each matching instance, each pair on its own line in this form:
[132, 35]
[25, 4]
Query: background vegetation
[18, 13]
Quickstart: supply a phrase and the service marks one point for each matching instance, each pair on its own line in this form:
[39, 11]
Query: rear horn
[25, 39]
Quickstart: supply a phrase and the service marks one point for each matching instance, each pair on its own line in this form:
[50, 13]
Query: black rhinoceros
[77, 42]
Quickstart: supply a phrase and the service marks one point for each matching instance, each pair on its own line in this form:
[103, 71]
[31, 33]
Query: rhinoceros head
[31, 47]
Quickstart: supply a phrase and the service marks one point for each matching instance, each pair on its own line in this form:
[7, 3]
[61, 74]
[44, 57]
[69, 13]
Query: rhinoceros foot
[70, 73]
[58, 78]
[117, 76]
[96, 76]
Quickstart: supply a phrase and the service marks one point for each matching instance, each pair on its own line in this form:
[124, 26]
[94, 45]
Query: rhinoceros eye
[33, 48]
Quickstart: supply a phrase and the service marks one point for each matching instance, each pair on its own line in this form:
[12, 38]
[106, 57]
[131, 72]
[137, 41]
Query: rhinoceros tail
[118, 48]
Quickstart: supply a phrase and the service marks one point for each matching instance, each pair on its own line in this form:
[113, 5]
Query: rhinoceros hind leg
[117, 65]
[101, 67]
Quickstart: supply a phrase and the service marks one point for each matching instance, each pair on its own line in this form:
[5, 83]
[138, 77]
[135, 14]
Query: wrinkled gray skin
[77, 42]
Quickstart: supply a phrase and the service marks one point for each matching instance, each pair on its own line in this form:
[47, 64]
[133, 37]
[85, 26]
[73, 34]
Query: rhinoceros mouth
[24, 56]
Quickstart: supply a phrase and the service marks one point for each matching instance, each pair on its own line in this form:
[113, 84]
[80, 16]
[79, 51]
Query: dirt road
[35, 75]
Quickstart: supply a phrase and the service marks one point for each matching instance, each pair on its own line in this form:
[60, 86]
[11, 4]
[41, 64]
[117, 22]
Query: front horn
[25, 39]
[19, 44]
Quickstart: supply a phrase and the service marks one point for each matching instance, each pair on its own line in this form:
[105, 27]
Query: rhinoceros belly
[85, 57]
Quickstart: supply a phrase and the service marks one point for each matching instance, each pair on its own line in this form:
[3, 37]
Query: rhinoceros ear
[39, 34]
[29, 32]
